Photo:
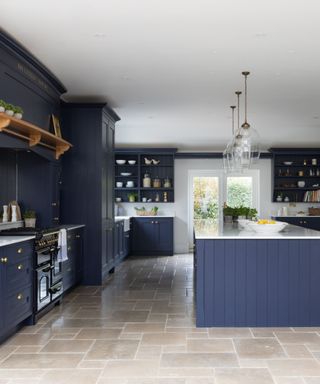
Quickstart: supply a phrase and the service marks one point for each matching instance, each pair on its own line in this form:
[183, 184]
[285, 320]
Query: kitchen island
[245, 279]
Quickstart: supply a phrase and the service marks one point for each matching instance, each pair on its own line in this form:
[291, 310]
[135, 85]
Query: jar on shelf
[156, 183]
[167, 183]
[146, 181]
[157, 199]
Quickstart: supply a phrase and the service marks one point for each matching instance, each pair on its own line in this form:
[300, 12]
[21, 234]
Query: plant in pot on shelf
[228, 213]
[132, 197]
[29, 219]
[3, 105]
[9, 109]
[18, 112]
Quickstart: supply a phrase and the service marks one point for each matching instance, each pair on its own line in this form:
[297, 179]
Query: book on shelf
[312, 196]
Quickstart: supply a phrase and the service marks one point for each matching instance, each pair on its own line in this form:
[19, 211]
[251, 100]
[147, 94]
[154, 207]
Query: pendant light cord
[245, 74]
[232, 108]
[238, 93]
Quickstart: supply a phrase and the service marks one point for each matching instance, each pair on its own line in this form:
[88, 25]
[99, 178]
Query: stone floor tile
[98, 333]
[198, 360]
[144, 327]
[63, 376]
[42, 361]
[112, 350]
[243, 376]
[294, 367]
[62, 346]
[297, 351]
[163, 338]
[131, 368]
[229, 332]
[210, 345]
[258, 348]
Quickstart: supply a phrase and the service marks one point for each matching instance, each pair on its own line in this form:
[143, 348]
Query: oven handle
[48, 269]
[55, 290]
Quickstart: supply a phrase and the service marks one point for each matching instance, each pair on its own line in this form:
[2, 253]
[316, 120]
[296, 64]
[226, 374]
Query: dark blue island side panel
[258, 283]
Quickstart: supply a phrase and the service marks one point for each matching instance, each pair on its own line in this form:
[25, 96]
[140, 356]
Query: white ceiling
[170, 67]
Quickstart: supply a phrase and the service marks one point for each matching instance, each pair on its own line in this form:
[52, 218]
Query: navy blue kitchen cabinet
[16, 286]
[152, 236]
[306, 222]
[87, 192]
[119, 241]
[127, 244]
[72, 269]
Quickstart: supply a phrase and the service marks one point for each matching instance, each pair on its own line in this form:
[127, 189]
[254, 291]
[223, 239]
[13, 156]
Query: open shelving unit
[165, 169]
[33, 134]
[305, 166]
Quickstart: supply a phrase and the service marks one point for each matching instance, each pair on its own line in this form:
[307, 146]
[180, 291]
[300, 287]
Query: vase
[30, 222]
[5, 214]
[9, 112]
[2, 109]
[13, 213]
[18, 116]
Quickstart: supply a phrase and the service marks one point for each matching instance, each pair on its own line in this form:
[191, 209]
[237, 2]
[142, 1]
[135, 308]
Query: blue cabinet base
[257, 283]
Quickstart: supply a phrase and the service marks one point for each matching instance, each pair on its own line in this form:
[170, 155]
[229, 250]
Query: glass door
[205, 199]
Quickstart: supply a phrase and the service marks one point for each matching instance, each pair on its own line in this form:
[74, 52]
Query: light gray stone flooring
[139, 328]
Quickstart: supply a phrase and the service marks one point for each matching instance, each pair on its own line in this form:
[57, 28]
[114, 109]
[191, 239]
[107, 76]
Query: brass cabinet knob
[56, 218]
[20, 250]
[78, 236]
[152, 222]
[4, 260]
[69, 248]
[20, 296]
[20, 266]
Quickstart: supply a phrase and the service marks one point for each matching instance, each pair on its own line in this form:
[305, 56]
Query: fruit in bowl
[265, 226]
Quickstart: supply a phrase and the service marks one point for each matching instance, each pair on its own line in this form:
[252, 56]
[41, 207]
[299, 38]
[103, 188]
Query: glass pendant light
[227, 154]
[250, 140]
[236, 146]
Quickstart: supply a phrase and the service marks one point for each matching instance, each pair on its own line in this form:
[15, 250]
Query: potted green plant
[252, 214]
[132, 197]
[29, 218]
[9, 109]
[3, 105]
[18, 112]
[228, 213]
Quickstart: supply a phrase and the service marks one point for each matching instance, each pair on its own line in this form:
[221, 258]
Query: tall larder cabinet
[87, 195]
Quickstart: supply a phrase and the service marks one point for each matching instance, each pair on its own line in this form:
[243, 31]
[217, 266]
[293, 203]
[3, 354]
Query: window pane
[205, 198]
[239, 191]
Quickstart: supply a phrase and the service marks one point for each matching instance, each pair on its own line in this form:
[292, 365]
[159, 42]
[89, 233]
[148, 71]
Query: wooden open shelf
[33, 134]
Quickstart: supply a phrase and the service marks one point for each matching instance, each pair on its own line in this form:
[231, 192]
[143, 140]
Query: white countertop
[207, 230]
[8, 240]
[117, 218]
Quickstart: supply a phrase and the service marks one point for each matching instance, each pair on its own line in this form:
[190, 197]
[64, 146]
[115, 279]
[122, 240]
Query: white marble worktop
[216, 230]
[9, 240]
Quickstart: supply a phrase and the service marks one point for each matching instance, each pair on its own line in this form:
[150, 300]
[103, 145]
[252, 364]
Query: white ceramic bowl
[119, 184]
[118, 199]
[288, 162]
[132, 162]
[267, 228]
[125, 174]
[243, 223]
[120, 162]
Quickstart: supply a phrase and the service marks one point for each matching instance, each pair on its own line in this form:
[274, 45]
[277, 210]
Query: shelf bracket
[34, 139]
[60, 150]
[4, 123]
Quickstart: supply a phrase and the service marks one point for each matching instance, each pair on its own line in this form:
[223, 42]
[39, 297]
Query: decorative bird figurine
[147, 161]
[155, 162]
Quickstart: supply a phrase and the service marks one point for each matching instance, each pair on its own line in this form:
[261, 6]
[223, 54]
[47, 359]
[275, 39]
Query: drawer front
[18, 274]
[15, 253]
[18, 306]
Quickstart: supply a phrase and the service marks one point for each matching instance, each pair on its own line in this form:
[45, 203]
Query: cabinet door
[143, 235]
[121, 239]
[163, 229]
[1, 292]
[56, 182]
[116, 250]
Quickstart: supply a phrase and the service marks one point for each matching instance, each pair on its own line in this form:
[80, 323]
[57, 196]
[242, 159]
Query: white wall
[180, 207]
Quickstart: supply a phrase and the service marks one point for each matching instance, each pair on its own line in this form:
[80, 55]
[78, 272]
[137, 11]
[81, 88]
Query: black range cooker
[47, 267]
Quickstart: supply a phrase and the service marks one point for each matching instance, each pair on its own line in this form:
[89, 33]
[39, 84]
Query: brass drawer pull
[4, 260]
[20, 266]
[20, 296]
[78, 236]
[20, 250]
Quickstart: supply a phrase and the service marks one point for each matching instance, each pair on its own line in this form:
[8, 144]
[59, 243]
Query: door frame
[192, 173]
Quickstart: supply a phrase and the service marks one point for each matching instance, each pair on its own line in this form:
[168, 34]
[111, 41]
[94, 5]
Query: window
[243, 190]
[239, 191]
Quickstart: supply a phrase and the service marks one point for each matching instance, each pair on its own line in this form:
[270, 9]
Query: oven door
[57, 267]
[56, 290]
[44, 256]
[43, 286]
